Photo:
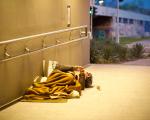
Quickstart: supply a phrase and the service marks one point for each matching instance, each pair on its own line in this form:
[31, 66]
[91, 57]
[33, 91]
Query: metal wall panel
[21, 18]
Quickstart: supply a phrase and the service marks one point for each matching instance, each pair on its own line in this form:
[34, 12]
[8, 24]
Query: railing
[7, 56]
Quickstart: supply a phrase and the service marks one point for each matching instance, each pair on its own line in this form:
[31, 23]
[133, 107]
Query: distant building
[131, 24]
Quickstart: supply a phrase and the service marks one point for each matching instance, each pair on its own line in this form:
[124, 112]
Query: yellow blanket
[58, 85]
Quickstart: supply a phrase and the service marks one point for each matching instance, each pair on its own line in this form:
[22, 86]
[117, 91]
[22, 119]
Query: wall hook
[6, 53]
[27, 49]
[82, 33]
[58, 41]
[43, 43]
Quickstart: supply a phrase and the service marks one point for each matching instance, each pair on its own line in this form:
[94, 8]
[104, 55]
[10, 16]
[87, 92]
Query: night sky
[140, 3]
[140, 6]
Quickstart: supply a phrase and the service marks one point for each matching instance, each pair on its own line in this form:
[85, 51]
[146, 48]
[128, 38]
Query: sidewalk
[140, 62]
[145, 43]
[124, 95]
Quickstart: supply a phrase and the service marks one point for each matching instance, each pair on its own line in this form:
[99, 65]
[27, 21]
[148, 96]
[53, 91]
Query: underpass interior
[120, 92]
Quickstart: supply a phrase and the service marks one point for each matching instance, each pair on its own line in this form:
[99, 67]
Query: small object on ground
[82, 79]
[88, 80]
[43, 79]
[74, 94]
[51, 67]
[98, 87]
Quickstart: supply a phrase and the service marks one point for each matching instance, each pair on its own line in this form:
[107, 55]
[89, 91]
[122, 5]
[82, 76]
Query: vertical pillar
[117, 37]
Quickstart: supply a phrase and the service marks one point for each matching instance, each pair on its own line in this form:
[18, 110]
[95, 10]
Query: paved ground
[144, 62]
[124, 95]
[145, 43]
[140, 62]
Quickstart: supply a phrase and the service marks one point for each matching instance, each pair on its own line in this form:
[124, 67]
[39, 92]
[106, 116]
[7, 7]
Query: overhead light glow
[101, 2]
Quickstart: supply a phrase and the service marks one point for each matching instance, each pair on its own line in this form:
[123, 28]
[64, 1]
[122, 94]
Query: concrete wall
[127, 30]
[21, 18]
[109, 27]
[103, 27]
[131, 30]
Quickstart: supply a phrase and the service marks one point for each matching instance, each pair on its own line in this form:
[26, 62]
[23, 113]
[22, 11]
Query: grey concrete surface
[124, 95]
[145, 43]
[143, 62]
[140, 62]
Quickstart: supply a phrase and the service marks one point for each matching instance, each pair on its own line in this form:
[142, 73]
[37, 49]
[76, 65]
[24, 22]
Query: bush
[94, 55]
[94, 51]
[121, 52]
[107, 52]
[137, 51]
[110, 52]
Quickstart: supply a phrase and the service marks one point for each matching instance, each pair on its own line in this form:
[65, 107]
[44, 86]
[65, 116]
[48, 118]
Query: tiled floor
[124, 95]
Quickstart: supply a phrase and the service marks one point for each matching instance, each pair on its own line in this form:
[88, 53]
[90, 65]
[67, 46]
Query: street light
[92, 3]
[118, 37]
[91, 19]
[101, 2]
[118, 34]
